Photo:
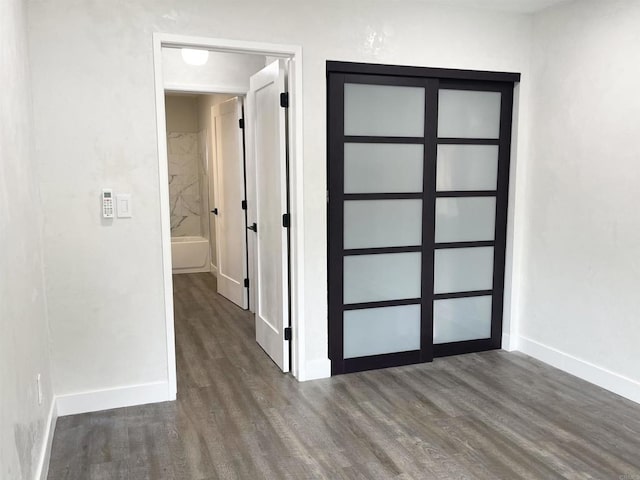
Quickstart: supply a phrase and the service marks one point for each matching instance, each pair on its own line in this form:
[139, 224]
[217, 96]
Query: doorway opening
[230, 182]
[207, 189]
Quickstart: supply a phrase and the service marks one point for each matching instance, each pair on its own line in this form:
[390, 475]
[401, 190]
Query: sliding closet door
[472, 172]
[416, 216]
[376, 231]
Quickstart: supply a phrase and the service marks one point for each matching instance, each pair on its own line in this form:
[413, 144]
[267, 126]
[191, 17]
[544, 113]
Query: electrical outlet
[39, 384]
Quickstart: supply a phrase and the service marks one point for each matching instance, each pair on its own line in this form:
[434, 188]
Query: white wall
[581, 270]
[24, 346]
[105, 282]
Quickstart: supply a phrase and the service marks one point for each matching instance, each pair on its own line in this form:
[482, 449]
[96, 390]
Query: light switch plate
[123, 202]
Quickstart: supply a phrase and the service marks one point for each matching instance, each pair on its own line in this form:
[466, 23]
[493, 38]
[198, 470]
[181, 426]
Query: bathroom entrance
[228, 204]
[207, 189]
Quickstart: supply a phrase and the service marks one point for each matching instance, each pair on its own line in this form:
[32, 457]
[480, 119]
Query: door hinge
[241, 123]
[246, 282]
[244, 204]
[287, 333]
[285, 220]
[284, 100]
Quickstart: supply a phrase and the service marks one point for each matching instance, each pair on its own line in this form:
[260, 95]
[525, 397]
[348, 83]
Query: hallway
[479, 416]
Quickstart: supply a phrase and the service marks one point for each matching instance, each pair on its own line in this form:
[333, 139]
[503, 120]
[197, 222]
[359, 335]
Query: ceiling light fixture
[193, 56]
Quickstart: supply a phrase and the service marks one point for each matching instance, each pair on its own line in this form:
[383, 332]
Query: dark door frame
[432, 79]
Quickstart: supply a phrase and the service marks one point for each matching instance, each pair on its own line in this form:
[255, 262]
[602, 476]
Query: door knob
[253, 227]
[214, 211]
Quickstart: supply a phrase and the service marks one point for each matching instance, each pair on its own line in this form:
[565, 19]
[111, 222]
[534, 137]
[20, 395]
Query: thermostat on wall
[107, 203]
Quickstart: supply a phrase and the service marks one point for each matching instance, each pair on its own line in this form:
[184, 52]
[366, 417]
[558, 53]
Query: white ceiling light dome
[195, 56]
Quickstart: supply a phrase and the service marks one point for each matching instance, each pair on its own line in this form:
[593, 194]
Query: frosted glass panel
[382, 223]
[468, 114]
[383, 110]
[374, 331]
[382, 168]
[463, 269]
[389, 276]
[459, 319]
[465, 219]
[467, 167]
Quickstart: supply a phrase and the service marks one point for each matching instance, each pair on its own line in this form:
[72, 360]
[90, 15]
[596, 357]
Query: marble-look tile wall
[185, 174]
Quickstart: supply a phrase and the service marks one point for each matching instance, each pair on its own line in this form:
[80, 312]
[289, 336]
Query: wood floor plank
[491, 415]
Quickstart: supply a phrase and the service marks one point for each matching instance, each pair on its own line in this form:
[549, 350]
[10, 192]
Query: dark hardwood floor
[493, 415]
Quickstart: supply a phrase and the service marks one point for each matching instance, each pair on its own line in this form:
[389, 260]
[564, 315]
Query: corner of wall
[42, 469]
[516, 215]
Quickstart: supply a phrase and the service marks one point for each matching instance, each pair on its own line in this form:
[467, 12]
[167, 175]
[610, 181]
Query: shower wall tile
[182, 143]
[185, 184]
[185, 226]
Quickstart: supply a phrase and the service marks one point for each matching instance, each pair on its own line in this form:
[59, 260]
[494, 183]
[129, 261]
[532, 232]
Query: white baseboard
[42, 469]
[614, 382]
[177, 271]
[96, 400]
[316, 369]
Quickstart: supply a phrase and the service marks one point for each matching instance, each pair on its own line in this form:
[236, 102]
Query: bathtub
[190, 254]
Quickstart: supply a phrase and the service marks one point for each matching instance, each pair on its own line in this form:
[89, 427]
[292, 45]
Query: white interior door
[268, 204]
[211, 188]
[227, 211]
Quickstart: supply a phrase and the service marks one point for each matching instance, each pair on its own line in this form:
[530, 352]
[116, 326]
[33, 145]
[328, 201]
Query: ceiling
[520, 6]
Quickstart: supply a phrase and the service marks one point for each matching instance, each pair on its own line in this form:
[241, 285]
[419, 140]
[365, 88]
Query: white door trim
[205, 88]
[294, 52]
